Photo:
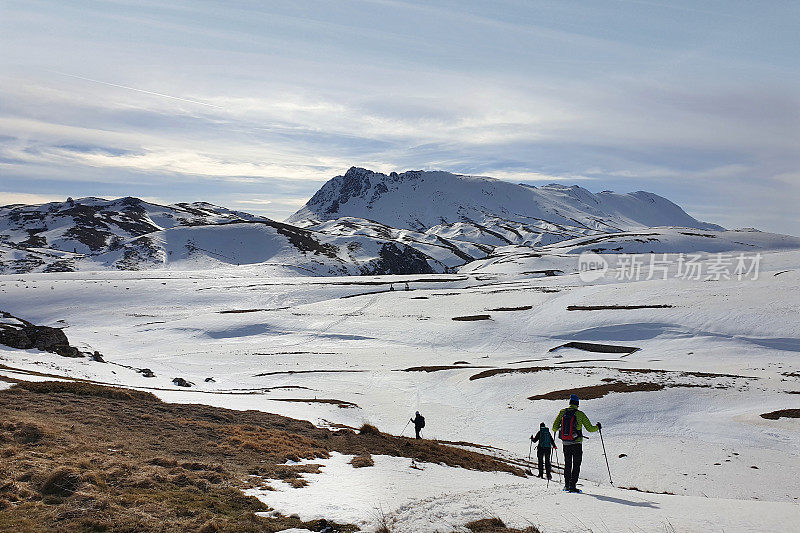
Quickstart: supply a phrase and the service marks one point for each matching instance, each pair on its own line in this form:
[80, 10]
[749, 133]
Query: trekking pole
[404, 427]
[606, 456]
[557, 466]
[530, 449]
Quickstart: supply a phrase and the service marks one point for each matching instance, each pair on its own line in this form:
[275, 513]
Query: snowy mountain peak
[502, 212]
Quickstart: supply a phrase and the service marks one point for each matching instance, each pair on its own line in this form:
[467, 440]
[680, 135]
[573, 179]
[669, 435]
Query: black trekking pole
[404, 427]
[606, 456]
[557, 466]
[530, 449]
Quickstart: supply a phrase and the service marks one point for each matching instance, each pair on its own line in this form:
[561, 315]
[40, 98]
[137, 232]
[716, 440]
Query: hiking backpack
[569, 430]
[421, 421]
[545, 441]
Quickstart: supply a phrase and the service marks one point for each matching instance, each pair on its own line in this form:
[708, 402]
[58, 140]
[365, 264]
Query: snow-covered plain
[264, 338]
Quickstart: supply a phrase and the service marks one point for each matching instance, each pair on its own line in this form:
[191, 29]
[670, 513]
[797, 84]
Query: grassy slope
[78, 457]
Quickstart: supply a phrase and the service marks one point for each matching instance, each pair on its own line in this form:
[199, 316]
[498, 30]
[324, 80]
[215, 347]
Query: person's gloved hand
[531, 437]
[599, 425]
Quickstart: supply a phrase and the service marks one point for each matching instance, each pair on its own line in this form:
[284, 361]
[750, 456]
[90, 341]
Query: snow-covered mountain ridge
[484, 210]
[362, 222]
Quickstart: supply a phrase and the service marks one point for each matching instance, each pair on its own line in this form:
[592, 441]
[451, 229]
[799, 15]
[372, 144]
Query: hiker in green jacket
[568, 424]
[544, 449]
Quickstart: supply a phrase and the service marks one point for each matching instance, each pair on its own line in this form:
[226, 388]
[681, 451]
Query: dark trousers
[543, 454]
[573, 453]
[417, 429]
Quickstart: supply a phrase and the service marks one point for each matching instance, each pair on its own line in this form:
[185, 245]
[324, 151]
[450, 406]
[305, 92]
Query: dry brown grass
[369, 429]
[593, 392]
[362, 461]
[495, 525]
[80, 457]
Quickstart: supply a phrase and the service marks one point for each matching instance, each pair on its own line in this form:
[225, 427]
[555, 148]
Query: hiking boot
[540, 476]
[575, 490]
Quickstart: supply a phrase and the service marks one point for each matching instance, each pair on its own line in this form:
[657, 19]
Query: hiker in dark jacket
[568, 424]
[544, 449]
[419, 423]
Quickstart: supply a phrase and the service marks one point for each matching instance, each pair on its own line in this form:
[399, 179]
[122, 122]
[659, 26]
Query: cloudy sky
[254, 104]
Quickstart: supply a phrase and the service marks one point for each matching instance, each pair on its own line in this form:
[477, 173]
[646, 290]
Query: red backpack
[569, 430]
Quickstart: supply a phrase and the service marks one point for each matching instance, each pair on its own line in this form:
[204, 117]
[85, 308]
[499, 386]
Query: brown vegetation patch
[362, 461]
[369, 429]
[338, 403]
[290, 372]
[599, 348]
[495, 525]
[87, 389]
[593, 392]
[615, 307]
[117, 462]
[62, 482]
[520, 308]
[437, 368]
[496, 371]
[470, 318]
[782, 413]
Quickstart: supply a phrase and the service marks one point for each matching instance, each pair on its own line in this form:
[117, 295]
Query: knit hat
[573, 399]
[541, 425]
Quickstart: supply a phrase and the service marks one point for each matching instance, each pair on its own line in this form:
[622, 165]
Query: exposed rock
[180, 382]
[18, 333]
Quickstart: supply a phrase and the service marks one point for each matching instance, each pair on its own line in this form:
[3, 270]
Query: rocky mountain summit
[361, 222]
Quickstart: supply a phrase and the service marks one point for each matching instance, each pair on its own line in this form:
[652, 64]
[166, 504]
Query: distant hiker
[419, 423]
[544, 449]
[568, 424]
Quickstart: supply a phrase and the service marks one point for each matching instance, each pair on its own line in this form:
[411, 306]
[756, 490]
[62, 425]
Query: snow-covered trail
[726, 352]
[441, 499]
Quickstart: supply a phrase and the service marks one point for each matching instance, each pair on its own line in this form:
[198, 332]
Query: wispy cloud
[262, 102]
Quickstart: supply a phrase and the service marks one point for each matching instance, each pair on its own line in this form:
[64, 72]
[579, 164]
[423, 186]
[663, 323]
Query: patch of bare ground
[291, 372]
[666, 374]
[338, 403]
[637, 489]
[471, 318]
[782, 413]
[496, 371]
[82, 457]
[437, 368]
[615, 307]
[598, 391]
[599, 348]
[520, 308]
[495, 525]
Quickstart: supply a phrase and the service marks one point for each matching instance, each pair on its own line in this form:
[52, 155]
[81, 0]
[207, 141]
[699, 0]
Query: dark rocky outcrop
[180, 382]
[18, 333]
